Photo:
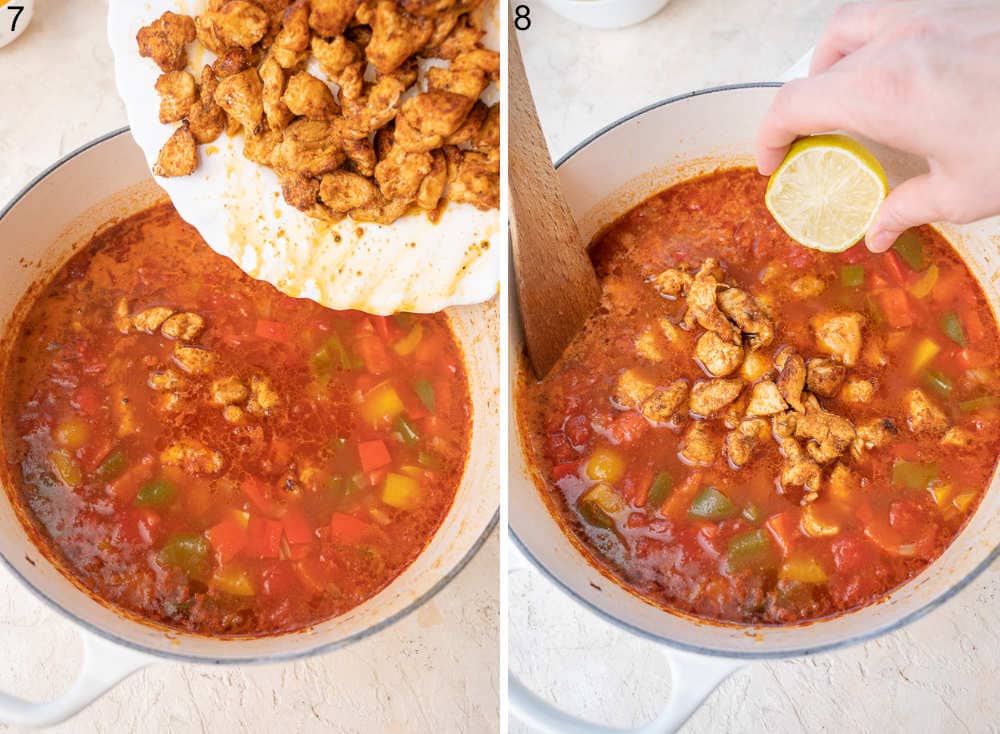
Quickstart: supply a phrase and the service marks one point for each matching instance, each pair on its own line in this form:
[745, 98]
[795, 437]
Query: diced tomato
[577, 429]
[263, 537]
[374, 455]
[561, 471]
[636, 486]
[677, 504]
[273, 330]
[966, 359]
[974, 330]
[559, 449]
[849, 553]
[347, 529]
[896, 307]
[258, 493]
[374, 354]
[277, 579]
[228, 538]
[297, 528]
[784, 528]
[381, 324]
[87, 399]
[627, 428]
[894, 267]
[314, 574]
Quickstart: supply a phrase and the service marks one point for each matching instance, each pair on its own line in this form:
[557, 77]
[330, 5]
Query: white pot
[602, 178]
[60, 210]
[607, 14]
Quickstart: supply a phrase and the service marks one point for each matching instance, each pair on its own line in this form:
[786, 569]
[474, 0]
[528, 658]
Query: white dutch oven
[108, 179]
[603, 178]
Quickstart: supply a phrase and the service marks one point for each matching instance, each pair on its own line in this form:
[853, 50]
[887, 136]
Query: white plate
[236, 205]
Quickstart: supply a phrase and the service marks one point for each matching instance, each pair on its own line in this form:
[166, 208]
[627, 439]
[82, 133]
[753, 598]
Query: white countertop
[937, 675]
[435, 671]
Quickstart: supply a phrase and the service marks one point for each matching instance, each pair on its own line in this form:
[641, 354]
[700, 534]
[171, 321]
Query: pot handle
[694, 678]
[104, 664]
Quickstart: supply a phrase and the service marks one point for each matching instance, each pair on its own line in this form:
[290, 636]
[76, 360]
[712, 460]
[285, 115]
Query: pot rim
[697, 649]
[179, 657]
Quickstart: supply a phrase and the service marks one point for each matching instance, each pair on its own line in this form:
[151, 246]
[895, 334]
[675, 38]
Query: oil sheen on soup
[209, 454]
[754, 432]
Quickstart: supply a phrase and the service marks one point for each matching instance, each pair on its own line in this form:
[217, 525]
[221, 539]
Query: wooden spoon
[557, 287]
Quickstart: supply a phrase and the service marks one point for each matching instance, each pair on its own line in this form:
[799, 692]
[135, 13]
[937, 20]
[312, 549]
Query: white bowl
[57, 213]
[603, 178]
[607, 14]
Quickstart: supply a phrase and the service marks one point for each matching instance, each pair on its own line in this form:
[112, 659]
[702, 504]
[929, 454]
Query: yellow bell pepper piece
[940, 492]
[381, 405]
[71, 433]
[408, 343]
[401, 491]
[923, 287]
[235, 581]
[67, 469]
[803, 569]
[926, 351]
[606, 465]
[963, 501]
[814, 522]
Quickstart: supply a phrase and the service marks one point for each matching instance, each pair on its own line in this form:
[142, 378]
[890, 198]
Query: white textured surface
[938, 675]
[435, 671]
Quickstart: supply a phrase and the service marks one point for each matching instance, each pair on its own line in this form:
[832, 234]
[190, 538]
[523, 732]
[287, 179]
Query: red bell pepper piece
[347, 529]
[894, 268]
[374, 455]
[381, 324]
[974, 330]
[374, 354]
[258, 493]
[228, 537]
[296, 526]
[896, 308]
[561, 471]
[784, 528]
[263, 537]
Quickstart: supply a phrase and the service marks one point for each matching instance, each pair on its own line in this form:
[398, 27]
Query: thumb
[912, 203]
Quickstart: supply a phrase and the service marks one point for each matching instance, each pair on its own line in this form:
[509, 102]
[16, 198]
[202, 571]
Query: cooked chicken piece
[924, 416]
[472, 178]
[150, 319]
[373, 111]
[263, 397]
[829, 435]
[824, 376]
[206, 119]
[461, 38]
[699, 446]
[399, 174]
[482, 59]
[783, 424]
[428, 8]
[664, 402]
[164, 40]
[872, 434]
[466, 82]
[185, 326]
[842, 484]
[121, 318]
[331, 17]
[432, 187]
[765, 400]
[748, 315]
[792, 381]
[755, 367]
[241, 96]
[171, 402]
[732, 415]
[177, 93]
[261, 147]
[468, 132]
[194, 360]
[384, 211]
[343, 191]
[648, 344]
[873, 353]
[702, 307]
[741, 442]
[233, 61]
[958, 438]
[710, 396]
[839, 334]
[163, 380]
[307, 96]
[672, 282]
[233, 414]
[272, 78]
[427, 119]
[310, 148]
[671, 333]
[334, 57]
[799, 470]
[444, 24]
[299, 192]
[632, 389]
[207, 37]
[179, 155]
[228, 390]
[720, 358]
[808, 286]
[237, 23]
[360, 156]
[290, 46]
[488, 135]
[192, 456]
[856, 390]
[396, 36]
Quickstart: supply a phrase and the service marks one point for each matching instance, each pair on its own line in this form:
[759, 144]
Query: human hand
[921, 76]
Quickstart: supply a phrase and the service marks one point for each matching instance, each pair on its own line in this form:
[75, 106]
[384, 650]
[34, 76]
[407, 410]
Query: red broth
[274, 468]
[735, 544]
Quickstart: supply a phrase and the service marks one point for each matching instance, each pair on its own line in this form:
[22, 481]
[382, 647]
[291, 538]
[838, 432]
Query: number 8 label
[522, 17]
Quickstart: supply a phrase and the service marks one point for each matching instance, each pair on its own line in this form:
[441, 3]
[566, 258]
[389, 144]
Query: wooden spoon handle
[556, 285]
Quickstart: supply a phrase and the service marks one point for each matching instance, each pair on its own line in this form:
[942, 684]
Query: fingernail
[880, 241]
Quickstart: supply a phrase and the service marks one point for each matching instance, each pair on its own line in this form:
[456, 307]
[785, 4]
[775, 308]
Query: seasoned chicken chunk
[310, 148]
[747, 314]
[335, 56]
[647, 345]
[856, 390]
[184, 326]
[699, 446]
[473, 179]
[303, 194]
[292, 41]
[808, 286]
[177, 92]
[470, 130]
[765, 400]
[841, 482]
[396, 35]
[343, 191]
[719, 357]
[232, 414]
[165, 40]
[632, 389]
[194, 360]
[824, 376]
[241, 96]
[799, 470]
[425, 120]
[307, 96]
[783, 424]
[179, 155]
[233, 61]
[741, 442]
[263, 397]
[710, 396]
[360, 156]
[150, 319]
[872, 434]
[377, 108]
[260, 147]
[432, 187]
[206, 119]
[228, 390]
[702, 306]
[839, 334]
[120, 316]
[192, 456]
[958, 438]
[237, 23]
[664, 402]
[792, 380]
[164, 380]
[828, 435]
[272, 78]
[383, 211]
[672, 282]
[924, 415]
[330, 18]
[399, 174]
[461, 38]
